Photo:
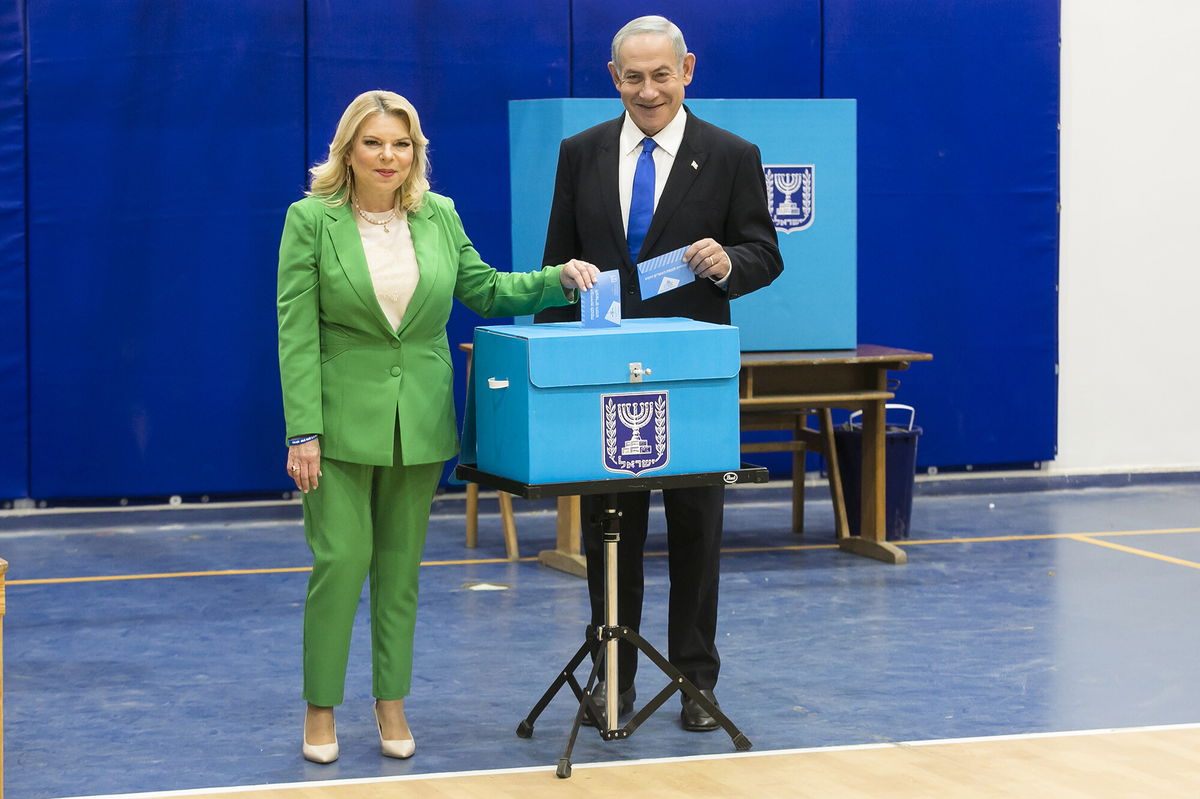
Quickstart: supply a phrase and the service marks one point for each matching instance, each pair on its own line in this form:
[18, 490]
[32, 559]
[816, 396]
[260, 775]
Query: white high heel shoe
[319, 753]
[401, 748]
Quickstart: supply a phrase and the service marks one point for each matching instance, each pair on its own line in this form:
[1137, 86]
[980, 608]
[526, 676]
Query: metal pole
[612, 537]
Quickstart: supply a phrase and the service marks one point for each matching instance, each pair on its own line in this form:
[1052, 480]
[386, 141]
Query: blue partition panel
[811, 306]
[958, 231]
[752, 48]
[14, 406]
[165, 142]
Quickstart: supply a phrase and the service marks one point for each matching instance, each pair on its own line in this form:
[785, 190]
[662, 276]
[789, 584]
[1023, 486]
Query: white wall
[1129, 302]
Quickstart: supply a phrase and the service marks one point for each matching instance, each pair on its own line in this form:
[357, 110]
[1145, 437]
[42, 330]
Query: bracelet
[302, 439]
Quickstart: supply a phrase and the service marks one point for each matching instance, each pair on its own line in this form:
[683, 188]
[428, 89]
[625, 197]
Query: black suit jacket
[715, 190]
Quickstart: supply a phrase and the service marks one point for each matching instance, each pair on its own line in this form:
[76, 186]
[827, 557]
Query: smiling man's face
[650, 80]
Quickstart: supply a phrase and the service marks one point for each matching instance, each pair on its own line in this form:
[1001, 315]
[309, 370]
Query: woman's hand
[578, 275]
[304, 464]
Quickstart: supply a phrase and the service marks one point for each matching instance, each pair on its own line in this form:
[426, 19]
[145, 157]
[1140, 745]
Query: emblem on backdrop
[790, 195]
[636, 431]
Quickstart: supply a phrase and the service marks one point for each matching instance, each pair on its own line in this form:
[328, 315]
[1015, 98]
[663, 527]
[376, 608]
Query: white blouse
[392, 262]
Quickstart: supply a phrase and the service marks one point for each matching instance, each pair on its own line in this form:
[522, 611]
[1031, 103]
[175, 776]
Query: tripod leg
[680, 683]
[585, 706]
[567, 675]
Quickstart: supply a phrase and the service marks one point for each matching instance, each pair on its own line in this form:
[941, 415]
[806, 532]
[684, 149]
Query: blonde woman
[368, 264]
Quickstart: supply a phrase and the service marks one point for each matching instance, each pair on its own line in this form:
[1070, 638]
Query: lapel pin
[695, 165]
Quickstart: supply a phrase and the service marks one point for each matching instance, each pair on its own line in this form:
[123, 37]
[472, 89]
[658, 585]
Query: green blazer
[346, 373]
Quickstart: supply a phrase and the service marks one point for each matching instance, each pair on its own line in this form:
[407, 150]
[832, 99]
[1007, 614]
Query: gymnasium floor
[157, 650]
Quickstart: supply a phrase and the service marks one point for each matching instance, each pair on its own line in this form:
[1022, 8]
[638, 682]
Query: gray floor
[1014, 614]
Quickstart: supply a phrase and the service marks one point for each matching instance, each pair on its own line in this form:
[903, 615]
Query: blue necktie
[641, 204]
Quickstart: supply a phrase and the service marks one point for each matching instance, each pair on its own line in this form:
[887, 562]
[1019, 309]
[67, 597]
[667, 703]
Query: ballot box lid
[672, 349]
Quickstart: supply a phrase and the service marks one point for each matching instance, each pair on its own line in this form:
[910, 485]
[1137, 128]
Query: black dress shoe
[696, 718]
[624, 702]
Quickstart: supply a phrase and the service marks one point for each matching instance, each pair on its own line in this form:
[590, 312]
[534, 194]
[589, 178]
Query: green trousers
[364, 521]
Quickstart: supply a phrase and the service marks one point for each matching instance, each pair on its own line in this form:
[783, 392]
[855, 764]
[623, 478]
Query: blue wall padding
[958, 233]
[459, 62]
[14, 409]
[165, 140]
[751, 48]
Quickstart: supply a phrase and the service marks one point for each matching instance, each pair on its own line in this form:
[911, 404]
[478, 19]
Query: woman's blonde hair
[332, 180]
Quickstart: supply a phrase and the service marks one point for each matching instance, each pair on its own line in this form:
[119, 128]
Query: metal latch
[636, 371]
[497, 383]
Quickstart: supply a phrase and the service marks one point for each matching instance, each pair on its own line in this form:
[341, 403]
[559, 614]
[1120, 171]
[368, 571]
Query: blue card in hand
[601, 305]
[661, 274]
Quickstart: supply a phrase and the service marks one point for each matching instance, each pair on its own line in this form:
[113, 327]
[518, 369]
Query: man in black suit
[710, 196]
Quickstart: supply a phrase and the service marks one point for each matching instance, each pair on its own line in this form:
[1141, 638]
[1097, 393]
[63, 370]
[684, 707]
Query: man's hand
[708, 259]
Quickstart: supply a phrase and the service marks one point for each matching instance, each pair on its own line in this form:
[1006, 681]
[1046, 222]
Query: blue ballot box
[559, 403]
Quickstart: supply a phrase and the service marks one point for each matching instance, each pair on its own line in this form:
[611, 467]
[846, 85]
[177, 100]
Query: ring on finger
[293, 468]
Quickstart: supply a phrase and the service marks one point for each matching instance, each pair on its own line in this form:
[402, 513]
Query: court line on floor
[105, 578]
[943, 541]
[1045, 536]
[1092, 538]
[317, 784]
[1134, 551]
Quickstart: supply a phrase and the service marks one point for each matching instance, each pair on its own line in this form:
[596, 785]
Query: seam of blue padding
[25, 242]
[821, 49]
[307, 116]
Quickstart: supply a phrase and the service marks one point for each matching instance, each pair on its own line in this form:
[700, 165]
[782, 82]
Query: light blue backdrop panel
[812, 305]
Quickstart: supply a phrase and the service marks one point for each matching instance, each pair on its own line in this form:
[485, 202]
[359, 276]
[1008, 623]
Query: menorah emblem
[635, 416]
[623, 419]
[788, 180]
[787, 183]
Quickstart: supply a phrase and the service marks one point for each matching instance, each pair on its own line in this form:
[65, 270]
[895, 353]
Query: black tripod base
[590, 708]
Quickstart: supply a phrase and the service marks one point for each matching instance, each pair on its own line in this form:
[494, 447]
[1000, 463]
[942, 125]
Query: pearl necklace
[385, 222]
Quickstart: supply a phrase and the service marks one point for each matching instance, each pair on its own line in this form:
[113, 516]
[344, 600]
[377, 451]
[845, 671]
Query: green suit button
[395, 344]
[395, 371]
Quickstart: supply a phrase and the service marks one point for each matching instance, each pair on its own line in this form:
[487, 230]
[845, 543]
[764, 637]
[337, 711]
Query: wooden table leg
[799, 456]
[472, 515]
[566, 556]
[873, 541]
[841, 525]
[509, 524]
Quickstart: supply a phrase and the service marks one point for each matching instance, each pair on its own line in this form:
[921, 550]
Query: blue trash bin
[900, 448]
